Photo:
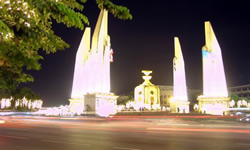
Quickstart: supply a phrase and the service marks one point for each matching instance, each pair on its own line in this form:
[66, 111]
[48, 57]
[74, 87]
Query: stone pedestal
[94, 104]
[179, 106]
[213, 105]
[76, 106]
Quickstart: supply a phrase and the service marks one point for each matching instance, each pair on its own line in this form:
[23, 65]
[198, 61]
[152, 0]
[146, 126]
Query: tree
[26, 92]
[234, 96]
[26, 28]
[122, 100]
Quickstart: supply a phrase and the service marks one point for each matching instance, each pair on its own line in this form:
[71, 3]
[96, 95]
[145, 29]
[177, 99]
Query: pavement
[123, 133]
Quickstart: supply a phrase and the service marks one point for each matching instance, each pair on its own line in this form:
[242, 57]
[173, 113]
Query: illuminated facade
[179, 103]
[147, 95]
[92, 71]
[215, 95]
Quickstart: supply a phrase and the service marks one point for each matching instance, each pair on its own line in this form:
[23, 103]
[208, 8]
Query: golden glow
[179, 106]
[147, 95]
[196, 107]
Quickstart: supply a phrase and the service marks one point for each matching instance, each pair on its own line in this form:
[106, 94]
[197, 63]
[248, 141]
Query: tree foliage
[236, 97]
[20, 93]
[26, 92]
[122, 100]
[26, 28]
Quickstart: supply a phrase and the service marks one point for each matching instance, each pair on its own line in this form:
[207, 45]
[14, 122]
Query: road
[121, 133]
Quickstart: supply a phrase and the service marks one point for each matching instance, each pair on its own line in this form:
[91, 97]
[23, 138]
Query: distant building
[166, 93]
[241, 90]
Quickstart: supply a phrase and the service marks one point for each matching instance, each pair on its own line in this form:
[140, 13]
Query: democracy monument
[179, 103]
[91, 83]
[215, 98]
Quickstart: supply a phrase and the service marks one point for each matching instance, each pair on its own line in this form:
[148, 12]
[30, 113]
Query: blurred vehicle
[2, 121]
[238, 112]
[244, 119]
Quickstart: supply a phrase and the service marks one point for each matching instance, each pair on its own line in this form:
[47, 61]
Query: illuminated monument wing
[215, 94]
[179, 103]
[91, 83]
[80, 80]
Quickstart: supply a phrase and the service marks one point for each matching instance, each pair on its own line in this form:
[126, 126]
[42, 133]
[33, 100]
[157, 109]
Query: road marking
[15, 137]
[125, 148]
[65, 142]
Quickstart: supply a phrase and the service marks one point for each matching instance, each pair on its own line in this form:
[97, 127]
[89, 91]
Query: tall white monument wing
[99, 49]
[92, 67]
[214, 81]
[180, 88]
[79, 81]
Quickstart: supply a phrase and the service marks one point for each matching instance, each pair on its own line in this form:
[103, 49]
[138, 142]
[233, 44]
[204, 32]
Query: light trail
[14, 137]
[201, 130]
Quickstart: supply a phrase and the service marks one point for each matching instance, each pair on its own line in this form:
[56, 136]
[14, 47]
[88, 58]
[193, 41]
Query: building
[167, 93]
[241, 90]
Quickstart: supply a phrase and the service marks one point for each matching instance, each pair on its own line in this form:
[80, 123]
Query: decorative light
[244, 102]
[232, 103]
[239, 103]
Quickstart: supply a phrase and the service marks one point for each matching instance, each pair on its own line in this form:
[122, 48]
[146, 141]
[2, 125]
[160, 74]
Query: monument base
[213, 105]
[179, 106]
[152, 107]
[99, 104]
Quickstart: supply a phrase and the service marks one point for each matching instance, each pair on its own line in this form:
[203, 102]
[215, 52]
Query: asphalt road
[121, 133]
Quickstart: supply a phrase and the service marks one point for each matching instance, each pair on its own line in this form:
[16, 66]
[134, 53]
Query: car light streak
[200, 130]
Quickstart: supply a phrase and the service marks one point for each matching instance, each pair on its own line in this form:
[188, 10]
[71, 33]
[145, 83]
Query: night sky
[147, 42]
